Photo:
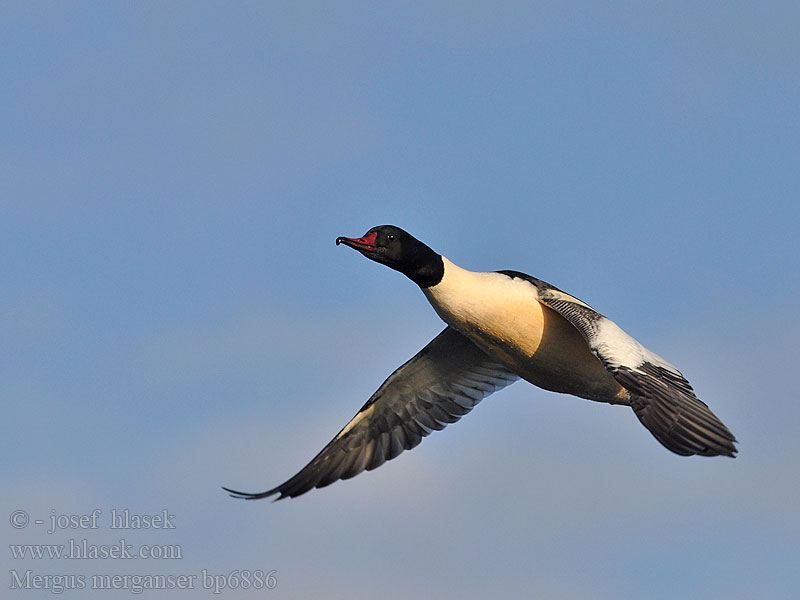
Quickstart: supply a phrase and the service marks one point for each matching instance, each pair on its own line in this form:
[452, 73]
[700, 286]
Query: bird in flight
[502, 326]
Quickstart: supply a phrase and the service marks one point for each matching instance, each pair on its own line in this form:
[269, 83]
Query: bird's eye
[391, 237]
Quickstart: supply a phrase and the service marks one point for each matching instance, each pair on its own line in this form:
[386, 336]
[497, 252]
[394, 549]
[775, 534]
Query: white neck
[469, 300]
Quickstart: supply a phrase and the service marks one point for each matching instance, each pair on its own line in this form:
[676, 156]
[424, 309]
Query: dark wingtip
[249, 495]
[733, 451]
[726, 447]
[729, 451]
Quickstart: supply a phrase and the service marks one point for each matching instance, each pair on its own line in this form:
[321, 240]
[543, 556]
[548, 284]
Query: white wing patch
[618, 349]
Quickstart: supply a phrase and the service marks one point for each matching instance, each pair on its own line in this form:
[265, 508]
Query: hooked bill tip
[366, 243]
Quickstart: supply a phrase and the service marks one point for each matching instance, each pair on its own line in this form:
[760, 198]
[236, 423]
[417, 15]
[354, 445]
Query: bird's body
[502, 326]
[503, 316]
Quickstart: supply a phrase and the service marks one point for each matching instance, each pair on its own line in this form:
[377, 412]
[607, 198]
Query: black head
[399, 250]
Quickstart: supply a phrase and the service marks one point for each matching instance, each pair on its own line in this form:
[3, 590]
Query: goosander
[502, 326]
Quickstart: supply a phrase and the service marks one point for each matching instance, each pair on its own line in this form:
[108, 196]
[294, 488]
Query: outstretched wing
[661, 397]
[439, 385]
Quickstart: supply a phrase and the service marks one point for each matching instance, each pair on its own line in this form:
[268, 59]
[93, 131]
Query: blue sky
[175, 315]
